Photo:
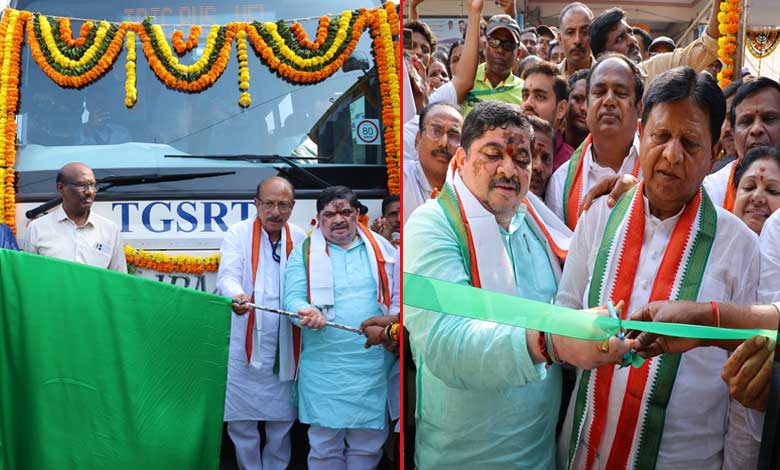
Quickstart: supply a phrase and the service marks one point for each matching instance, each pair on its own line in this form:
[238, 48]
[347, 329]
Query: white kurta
[554, 195]
[769, 286]
[254, 393]
[417, 189]
[717, 183]
[768, 292]
[696, 416]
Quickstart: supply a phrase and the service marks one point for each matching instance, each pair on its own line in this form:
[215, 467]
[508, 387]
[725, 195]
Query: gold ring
[604, 346]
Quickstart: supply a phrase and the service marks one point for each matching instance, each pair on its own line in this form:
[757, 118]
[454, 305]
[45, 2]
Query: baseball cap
[543, 30]
[497, 22]
[662, 40]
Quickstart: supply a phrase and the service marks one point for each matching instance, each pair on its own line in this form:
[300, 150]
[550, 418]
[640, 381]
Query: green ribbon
[481, 304]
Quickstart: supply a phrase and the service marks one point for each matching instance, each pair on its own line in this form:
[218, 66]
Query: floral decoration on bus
[167, 263]
[728, 26]
[76, 62]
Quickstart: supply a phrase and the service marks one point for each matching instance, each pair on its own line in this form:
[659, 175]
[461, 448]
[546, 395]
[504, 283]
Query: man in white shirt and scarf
[263, 347]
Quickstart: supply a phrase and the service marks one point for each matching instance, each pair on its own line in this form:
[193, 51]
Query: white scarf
[321, 270]
[287, 366]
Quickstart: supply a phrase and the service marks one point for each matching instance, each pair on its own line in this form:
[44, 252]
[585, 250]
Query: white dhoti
[256, 390]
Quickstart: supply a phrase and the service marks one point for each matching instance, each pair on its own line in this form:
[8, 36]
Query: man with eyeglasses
[495, 80]
[73, 232]
[343, 273]
[436, 143]
[261, 365]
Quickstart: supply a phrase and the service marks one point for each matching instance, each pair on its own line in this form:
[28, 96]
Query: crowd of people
[581, 163]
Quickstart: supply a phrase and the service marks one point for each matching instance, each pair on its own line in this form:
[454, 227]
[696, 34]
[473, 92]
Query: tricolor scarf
[731, 190]
[480, 241]
[254, 323]
[319, 271]
[579, 165]
[640, 424]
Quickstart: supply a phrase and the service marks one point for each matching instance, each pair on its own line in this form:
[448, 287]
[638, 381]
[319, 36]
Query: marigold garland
[66, 33]
[285, 49]
[11, 34]
[78, 66]
[167, 263]
[131, 93]
[180, 46]
[728, 26]
[245, 100]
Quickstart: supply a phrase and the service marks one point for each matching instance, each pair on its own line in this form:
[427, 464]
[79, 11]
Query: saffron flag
[103, 370]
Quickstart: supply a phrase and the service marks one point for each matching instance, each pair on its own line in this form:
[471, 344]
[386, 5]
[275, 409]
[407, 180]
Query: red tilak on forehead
[761, 168]
[510, 149]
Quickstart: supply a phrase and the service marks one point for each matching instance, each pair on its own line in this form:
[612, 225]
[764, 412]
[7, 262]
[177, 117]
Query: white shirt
[254, 394]
[768, 292]
[96, 243]
[769, 285]
[717, 183]
[417, 189]
[696, 416]
[554, 195]
[444, 94]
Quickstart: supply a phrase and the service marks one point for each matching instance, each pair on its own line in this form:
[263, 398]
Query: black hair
[600, 28]
[748, 89]
[764, 152]
[60, 177]
[488, 115]
[639, 87]
[581, 74]
[425, 30]
[681, 83]
[526, 62]
[389, 200]
[459, 42]
[541, 125]
[560, 86]
[732, 88]
[427, 109]
[646, 38]
[333, 193]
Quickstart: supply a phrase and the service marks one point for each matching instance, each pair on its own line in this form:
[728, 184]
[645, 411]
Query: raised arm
[414, 15]
[469, 59]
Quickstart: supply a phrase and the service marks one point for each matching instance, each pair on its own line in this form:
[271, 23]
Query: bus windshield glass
[314, 124]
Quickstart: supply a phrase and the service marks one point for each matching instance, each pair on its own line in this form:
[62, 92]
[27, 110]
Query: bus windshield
[313, 124]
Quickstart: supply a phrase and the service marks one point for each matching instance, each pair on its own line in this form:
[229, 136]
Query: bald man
[73, 232]
[256, 389]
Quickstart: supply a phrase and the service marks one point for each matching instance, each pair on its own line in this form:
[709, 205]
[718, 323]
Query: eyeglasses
[346, 213]
[507, 45]
[83, 186]
[435, 133]
[284, 206]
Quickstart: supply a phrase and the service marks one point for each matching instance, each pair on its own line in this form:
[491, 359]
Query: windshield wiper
[111, 181]
[262, 159]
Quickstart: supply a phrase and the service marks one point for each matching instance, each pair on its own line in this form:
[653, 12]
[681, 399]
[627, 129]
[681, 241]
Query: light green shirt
[481, 401]
[510, 90]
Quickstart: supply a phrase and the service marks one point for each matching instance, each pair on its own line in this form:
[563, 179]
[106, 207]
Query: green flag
[101, 370]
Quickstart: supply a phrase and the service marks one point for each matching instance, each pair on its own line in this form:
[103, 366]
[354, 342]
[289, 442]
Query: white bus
[310, 134]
